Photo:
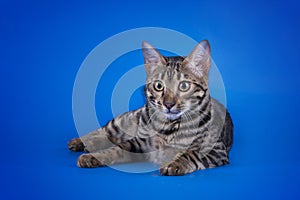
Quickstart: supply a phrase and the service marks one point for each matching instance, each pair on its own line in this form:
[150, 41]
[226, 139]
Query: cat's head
[177, 84]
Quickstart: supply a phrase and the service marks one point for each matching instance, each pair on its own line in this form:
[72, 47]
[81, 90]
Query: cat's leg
[76, 144]
[193, 160]
[133, 150]
[113, 155]
[94, 141]
[115, 132]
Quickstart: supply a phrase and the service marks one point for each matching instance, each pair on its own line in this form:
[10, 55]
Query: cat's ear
[198, 62]
[152, 57]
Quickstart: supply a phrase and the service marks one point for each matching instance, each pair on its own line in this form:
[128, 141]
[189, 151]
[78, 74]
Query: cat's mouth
[173, 112]
[172, 115]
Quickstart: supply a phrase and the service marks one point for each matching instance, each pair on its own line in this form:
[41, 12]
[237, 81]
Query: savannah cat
[181, 127]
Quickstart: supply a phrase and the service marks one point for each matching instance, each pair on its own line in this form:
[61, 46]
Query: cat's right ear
[152, 58]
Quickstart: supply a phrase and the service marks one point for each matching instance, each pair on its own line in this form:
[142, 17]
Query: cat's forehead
[174, 63]
[174, 59]
[172, 70]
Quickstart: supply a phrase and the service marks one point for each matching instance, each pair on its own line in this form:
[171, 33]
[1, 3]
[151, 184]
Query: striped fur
[180, 127]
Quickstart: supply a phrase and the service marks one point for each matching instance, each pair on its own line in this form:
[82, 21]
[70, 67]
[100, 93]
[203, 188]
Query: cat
[181, 127]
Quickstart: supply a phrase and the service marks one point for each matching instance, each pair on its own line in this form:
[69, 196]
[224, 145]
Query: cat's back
[223, 120]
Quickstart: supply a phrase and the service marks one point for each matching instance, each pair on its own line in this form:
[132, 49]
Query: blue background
[43, 43]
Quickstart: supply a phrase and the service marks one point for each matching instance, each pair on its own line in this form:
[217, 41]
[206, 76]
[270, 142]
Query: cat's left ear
[198, 62]
[152, 57]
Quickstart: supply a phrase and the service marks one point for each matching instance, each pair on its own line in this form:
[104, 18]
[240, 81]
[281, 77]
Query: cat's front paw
[172, 169]
[76, 144]
[88, 161]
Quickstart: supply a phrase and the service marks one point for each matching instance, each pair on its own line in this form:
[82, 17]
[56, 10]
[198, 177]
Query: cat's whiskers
[205, 124]
[156, 112]
[204, 113]
[193, 124]
[190, 118]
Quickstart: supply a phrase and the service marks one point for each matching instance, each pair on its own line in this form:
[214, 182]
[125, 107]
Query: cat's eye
[158, 86]
[184, 86]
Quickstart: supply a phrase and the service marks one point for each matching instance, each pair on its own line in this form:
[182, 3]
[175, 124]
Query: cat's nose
[169, 105]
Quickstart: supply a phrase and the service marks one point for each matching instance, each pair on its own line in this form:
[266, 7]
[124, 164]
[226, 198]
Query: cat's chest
[179, 139]
[183, 136]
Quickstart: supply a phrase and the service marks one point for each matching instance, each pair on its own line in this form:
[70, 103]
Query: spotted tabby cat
[180, 127]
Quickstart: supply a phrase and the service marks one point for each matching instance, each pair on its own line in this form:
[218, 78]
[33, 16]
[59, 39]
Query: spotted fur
[180, 127]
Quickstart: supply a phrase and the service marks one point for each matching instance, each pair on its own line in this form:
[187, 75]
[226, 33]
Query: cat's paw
[172, 169]
[88, 161]
[76, 145]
